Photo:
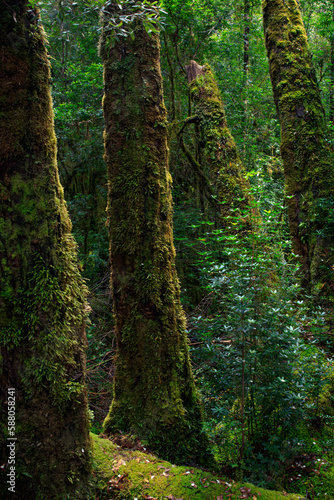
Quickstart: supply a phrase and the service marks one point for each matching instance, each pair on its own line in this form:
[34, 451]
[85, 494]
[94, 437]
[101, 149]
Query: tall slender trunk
[307, 158]
[331, 75]
[247, 17]
[42, 296]
[171, 80]
[154, 391]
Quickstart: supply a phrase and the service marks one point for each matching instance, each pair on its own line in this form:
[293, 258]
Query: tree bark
[154, 391]
[307, 158]
[42, 296]
[331, 74]
[220, 154]
[247, 19]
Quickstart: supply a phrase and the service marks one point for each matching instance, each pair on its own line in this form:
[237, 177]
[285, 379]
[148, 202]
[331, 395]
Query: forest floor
[125, 473]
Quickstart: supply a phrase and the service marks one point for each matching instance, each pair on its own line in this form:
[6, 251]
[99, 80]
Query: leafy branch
[122, 15]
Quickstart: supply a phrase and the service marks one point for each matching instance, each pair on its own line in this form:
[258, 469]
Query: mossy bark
[247, 20]
[331, 74]
[154, 390]
[307, 158]
[220, 153]
[42, 296]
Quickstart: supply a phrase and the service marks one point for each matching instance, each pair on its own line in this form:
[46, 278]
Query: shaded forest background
[235, 290]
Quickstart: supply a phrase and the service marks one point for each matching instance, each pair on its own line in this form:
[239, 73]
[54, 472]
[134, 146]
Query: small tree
[154, 391]
[42, 296]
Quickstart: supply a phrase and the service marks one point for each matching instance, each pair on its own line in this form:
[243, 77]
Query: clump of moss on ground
[129, 474]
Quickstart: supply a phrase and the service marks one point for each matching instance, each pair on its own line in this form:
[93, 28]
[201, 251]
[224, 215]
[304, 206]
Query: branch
[197, 169]
[187, 121]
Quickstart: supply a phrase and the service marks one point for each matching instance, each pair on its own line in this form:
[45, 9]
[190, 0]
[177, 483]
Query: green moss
[307, 158]
[42, 295]
[220, 151]
[133, 474]
[328, 484]
[154, 391]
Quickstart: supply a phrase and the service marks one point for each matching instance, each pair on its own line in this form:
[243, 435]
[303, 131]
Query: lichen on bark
[307, 157]
[154, 391]
[42, 295]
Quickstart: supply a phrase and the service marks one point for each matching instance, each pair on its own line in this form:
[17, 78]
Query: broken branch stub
[193, 70]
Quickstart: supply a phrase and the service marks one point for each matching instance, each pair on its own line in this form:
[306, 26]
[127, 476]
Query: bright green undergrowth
[262, 352]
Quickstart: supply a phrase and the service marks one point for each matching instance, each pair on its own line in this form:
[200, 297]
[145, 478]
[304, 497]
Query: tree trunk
[331, 75]
[247, 19]
[307, 158]
[154, 391]
[42, 296]
[220, 152]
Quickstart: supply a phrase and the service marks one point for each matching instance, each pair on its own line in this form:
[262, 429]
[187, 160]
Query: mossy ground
[129, 474]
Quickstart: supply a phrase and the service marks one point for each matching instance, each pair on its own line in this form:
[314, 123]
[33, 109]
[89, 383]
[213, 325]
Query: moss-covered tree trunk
[220, 153]
[154, 391]
[307, 159]
[331, 73]
[42, 296]
[247, 20]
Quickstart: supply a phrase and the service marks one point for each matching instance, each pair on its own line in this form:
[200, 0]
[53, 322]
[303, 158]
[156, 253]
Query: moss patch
[128, 474]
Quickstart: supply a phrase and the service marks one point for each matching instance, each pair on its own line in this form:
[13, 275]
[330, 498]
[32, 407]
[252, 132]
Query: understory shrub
[264, 379]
